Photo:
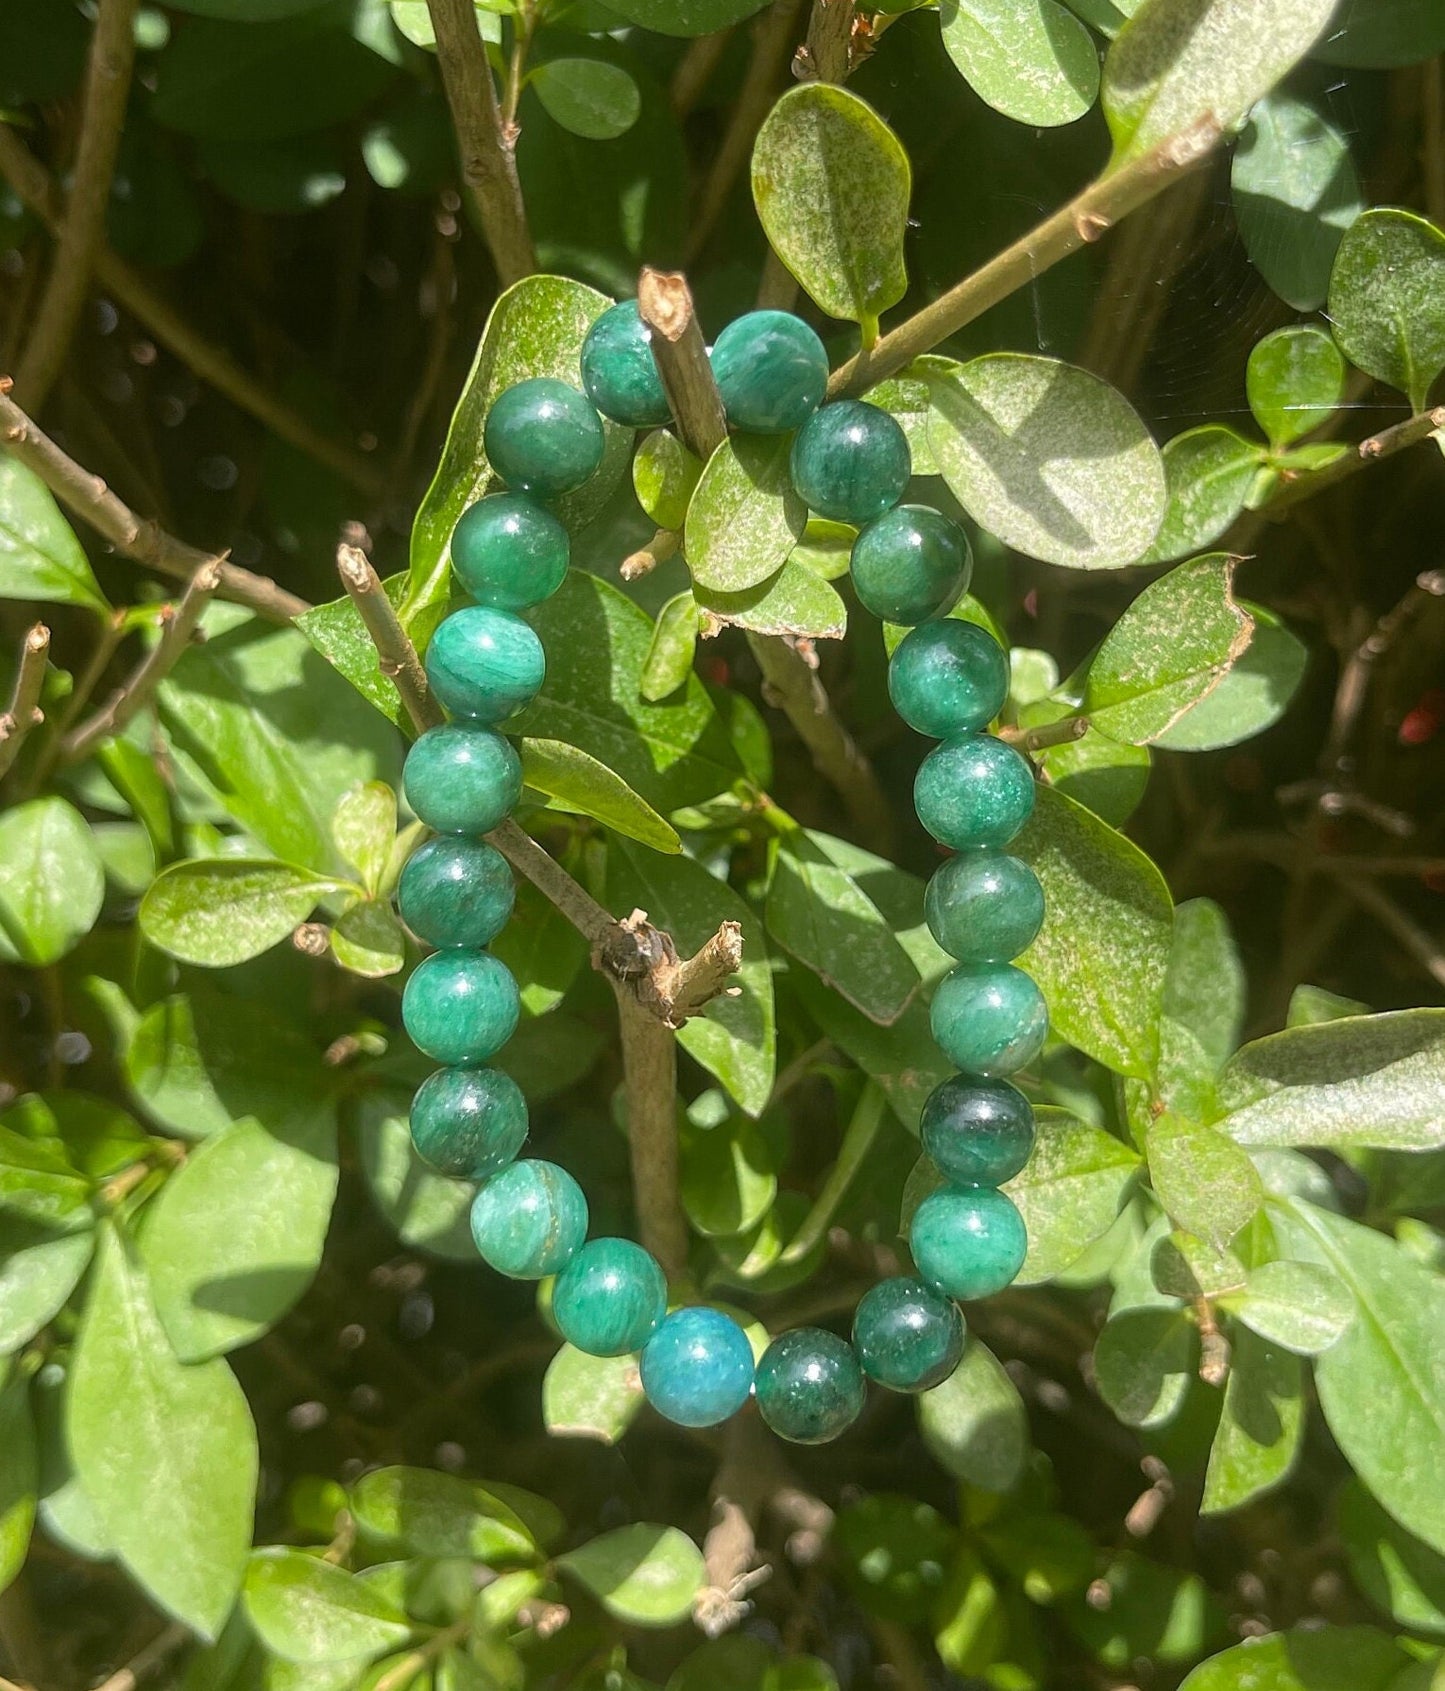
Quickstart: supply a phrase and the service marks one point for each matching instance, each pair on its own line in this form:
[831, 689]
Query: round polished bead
[913, 563]
[619, 371]
[810, 1387]
[468, 1122]
[510, 552]
[485, 664]
[968, 1241]
[543, 437]
[908, 1336]
[771, 371]
[984, 906]
[989, 1018]
[610, 1298]
[948, 677]
[456, 891]
[462, 779]
[851, 462]
[529, 1220]
[697, 1368]
[460, 1007]
[979, 1132]
[973, 791]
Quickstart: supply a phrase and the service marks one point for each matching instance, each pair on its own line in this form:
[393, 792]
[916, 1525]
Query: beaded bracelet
[948, 679]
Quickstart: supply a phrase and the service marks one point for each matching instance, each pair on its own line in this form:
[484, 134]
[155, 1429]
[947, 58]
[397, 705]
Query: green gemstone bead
[771, 371]
[461, 779]
[609, 1299]
[542, 436]
[530, 1220]
[984, 906]
[619, 371]
[697, 1368]
[468, 1123]
[973, 791]
[911, 564]
[948, 677]
[968, 1241]
[908, 1336]
[510, 552]
[989, 1018]
[979, 1132]
[485, 664]
[456, 891]
[460, 1007]
[851, 462]
[809, 1385]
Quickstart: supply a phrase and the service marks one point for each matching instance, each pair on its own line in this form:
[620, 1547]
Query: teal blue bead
[456, 891]
[809, 1385]
[851, 462]
[461, 779]
[468, 1123]
[619, 371]
[485, 664]
[697, 1368]
[543, 437]
[908, 1336]
[610, 1298]
[984, 906]
[911, 564]
[460, 1007]
[948, 677]
[973, 791]
[771, 371]
[979, 1132]
[510, 552]
[530, 1220]
[968, 1241]
[989, 1018]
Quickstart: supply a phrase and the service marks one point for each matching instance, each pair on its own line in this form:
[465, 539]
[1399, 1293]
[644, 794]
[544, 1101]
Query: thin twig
[1397, 438]
[827, 55]
[1420, 944]
[160, 1649]
[1061, 733]
[694, 71]
[396, 656]
[749, 1472]
[664, 302]
[24, 712]
[646, 558]
[649, 1073]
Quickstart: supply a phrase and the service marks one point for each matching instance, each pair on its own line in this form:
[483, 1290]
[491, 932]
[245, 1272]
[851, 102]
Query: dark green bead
[851, 462]
[973, 791]
[771, 371]
[984, 906]
[809, 1385]
[968, 1241]
[456, 891]
[461, 779]
[485, 664]
[543, 437]
[530, 1220]
[979, 1132]
[619, 371]
[510, 552]
[913, 563]
[460, 1007]
[697, 1368]
[609, 1299]
[948, 677]
[468, 1123]
[908, 1336]
[989, 1018]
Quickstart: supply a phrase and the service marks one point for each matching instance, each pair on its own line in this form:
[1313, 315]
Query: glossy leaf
[744, 517]
[40, 558]
[418, 1512]
[1296, 379]
[220, 911]
[664, 474]
[40, 1266]
[1252, 695]
[369, 940]
[307, 1610]
[1299, 1306]
[1257, 1442]
[364, 829]
[1035, 62]
[975, 1423]
[674, 641]
[1401, 1576]
[572, 780]
[336, 630]
[591, 1397]
[1209, 472]
[1204, 990]
[1143, 1363]
[1387, 300]
[644, 1575]
[1070, 1191]
[729, 1179]
[1099, 773]
[1327, 1658]
[795, 602]
[39, 1182]
[588, 97]
[51, 881]
[1203, 1179]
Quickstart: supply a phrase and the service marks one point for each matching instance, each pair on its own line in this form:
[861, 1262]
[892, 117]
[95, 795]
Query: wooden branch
[1060, 733]
[750, 1472]
[827, 56]
[694, 71]
[664, 302]
[1397, 438]
[649, 1073]
[646, 558]
[396, 656]
[23, 712]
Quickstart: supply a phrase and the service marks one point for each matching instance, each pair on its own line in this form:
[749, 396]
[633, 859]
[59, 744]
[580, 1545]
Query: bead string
[948, 679]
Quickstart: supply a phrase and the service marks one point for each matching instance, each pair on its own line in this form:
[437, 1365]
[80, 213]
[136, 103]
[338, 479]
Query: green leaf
[831, 182]
[1050, 459]
[307, 1610]
[1209, 472]
[1296, 380]
[1311, 1004]
[1035, 62]
[1143, 1362]
[664, 474]
[427, 1210]
[40, 558]
[369, 940]
[645, 1575]
[1395, 1570]
[591, 1397]
[52, 884]
[177, 1508]
[413, 20]
[1070, 1191]
[542, 949]
[796, 601]
[729, 1179]
[364, 829]
[670, 656]
[1204, 989]
[40, 1266]
[685, 17]
[1387, 300]
[1148, 1611]
[744, 517]
[223, 910]
[19, 1473]
[574, 781]
[903, 1058]
[38, 1180]
[588, 97]
[1203, 1179]
[1182, 1266]
[975, 1423]
[894, 1551]
[419, 1512]
[1327, 1658]
[905, 398]
[1383, 33]
[1097, 772]
[336, 631]
[1299, 1306]
[1251, 696]
[1261, 1426]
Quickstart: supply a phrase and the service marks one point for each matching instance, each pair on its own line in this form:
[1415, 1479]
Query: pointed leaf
[574, 781]
[307, 1610]
[674, 641]
[40, 558]
[1257, 1442]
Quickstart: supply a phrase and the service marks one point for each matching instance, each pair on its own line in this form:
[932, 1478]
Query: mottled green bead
[485, 664]
[973, 791]
[913, 563]
[979, 1132]
[984, 906]
[907, 1335]
[456, 891]
[851, 462]
[948, 677]
[968, 1241]
[461, 779]
[529, 1220]
[510, 552]
[460, 1007]
[697, 1368]
[771, 371]
[809, 1385]
[542, 436]
[989, 1018]
[468, 1122]
[619, 371]
[609, 1299]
